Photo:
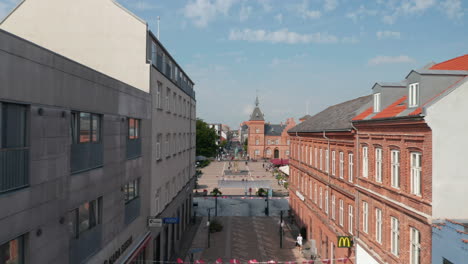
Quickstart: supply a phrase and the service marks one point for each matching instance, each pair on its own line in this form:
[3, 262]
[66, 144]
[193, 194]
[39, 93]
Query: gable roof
[257, 115]
[455, 64]
[274, 129]
[305, 117]
[334, 118]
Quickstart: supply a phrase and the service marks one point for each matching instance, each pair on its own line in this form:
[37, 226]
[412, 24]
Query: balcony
[14, 168]
[86, 156]
[133, 148]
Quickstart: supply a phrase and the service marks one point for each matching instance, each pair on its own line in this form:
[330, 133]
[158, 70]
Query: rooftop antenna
[159, 18]
[256, 99]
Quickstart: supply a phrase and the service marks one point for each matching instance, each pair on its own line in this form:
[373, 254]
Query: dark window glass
[72, 223]
[13, 125]
[134, 128]
[12, 252]
[131, 190]
[83, 218]
[87, 216]
[95, 128]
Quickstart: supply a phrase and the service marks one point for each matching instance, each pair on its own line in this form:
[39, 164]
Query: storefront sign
[300, 195]
[119, 252]
[345, 241]
[171, 220]
[154, 222]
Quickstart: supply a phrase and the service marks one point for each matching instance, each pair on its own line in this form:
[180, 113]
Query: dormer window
[413, 95]
[376, 102]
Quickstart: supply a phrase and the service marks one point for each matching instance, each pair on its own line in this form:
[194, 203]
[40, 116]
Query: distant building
[450, 242]
[267, 140]
[220, 132]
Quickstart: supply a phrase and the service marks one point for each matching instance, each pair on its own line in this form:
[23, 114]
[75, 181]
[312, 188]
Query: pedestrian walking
[299, 242]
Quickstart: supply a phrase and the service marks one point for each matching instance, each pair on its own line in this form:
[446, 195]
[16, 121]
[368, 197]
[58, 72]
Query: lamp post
[267, 209]
[281, 226]
[208, 225]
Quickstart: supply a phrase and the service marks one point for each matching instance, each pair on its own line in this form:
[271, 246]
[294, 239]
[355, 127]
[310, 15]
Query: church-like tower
[256, 124]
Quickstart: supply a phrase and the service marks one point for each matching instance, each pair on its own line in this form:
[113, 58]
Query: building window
[12, 252]
[320, 204]
[376, 102]
[153, 53]
[415, 250]
[167, 150]
[378, 164]
[341, 165]
[287, 152]
[132, 190]
[395, 169]
[350, 167]
[257, 130]
[134, 128]
[333, 163]
[268, 151]
[316, 158]
[168, 99]
[277, 142]
[174, 103]
[86, 127]
[288, 142]
[158, 146]
[378, 225]
[85, 217]
[268, 142]
[257, 142]
[365, 217]
[365, 162]
[310, 156]
[327, 161]
[341, 213]
[315, 193]
[333, 207]
[350, 219]
[326, 201]
[416, 173]
[413, 95]
[257, 152]
[158, 96]
[395, 236]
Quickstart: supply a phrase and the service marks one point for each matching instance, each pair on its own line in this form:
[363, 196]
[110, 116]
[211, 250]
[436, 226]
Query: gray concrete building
[98, 137]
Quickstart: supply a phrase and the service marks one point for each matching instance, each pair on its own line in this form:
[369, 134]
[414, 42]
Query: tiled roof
[364, 114]
[455, 64]
[392, 110]
[334, 118]
[274, 130]
[305, 117]
[257, 115]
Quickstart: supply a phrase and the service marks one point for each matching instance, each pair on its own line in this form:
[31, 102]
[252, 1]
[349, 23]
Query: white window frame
[158, 146]
[365, 162]
[413, 95]
[395, 168]
[159, 95]
[350, 167]
[341, 213]
[395, 236]
[365, 217]
[316, 158]
[416, 163]
[315, 193]
[321, 159]
[378, 225]
[415, 246]
[378, 165]
[310, 155]
[333, 209]
[310, 189]
[350, 219]
[341, 165]
[327, 160]
[333, 163]
[321, 198]
[376, 102]
[326, 201]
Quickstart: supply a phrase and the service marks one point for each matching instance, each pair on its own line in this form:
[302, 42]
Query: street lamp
[208, 224]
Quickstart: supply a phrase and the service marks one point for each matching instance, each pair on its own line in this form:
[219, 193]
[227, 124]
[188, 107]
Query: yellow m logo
[345, 242]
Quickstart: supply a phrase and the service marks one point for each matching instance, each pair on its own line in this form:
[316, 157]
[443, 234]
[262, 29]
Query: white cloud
[279, 18]
[266, 5]
[204, 11]
[314, 14]
[361, 13]
[416, 6]
[390, 60]
[452, 8]
[303, 10]
[350, 40]
[244, 13]
[330, 5]
[281, 36]
[388, 34]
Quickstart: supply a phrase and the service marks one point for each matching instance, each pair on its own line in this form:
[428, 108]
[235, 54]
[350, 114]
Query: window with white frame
[378, 165]
[316, 158]
[333, 163]
[365, 217]
[365, 162]
[415, 246]
[257, 141]
[288, 142]
[341, 164]
[168, 98]
[378, 225]
[310, 156]
[395, 168]
[376, 102]
[158, 96]
[257, 152]
[320, 201]
[395, 236]
[350, 167]
[341, 213]
[158, 146]
[327, 161]
[321, 159]
[287, 152]
[277, 142]
[268, 151]
[167, 149]
[413, 95]
[257, 130]
[416, 173]
[310, 189]
[315, 193]
[333, 208]
[268, 142]
[350, 219]
[326, 201]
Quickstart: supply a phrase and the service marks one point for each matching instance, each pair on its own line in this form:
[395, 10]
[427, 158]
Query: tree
[246, 143]
[206, 140]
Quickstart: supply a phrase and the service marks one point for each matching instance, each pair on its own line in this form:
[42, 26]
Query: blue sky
[298, 53]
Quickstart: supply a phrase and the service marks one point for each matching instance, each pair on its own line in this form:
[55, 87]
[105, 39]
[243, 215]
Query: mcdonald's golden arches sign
[345, 241]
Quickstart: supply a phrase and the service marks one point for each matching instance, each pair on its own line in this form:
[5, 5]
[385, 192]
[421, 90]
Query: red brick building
[392, 162]
[267, 140]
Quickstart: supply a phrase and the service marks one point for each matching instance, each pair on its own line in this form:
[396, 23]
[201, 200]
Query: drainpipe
[358, 213]
[328, 172]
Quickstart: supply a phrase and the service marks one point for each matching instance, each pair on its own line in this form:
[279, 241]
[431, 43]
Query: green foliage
[261, 192]
[286, 184]
[215, 226]
[206, 140]
[203, 163]
[246, 143]
[216, 192]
